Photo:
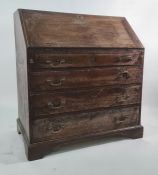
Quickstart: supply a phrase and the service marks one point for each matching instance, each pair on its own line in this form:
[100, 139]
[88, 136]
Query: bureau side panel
[142, 56]
[22, 80]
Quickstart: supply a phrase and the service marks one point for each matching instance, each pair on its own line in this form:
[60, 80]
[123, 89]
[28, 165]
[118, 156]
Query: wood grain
[84, 99]
[66, 127]
[50, 60]
[79, 78]
[52, 29]
[76, 78]
[22, 76]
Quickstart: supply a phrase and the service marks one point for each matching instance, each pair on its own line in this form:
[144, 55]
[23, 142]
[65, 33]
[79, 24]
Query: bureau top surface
[56, 30]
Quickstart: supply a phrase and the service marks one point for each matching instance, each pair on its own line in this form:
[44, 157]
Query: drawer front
[84, 60]
[71, 126]
[41, 81]
[84, 99]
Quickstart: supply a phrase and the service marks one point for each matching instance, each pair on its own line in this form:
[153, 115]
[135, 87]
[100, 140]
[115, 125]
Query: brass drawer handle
[54, 127]
[56, 104]
[122, 99]
[55, 62]
[123, 74]
[55, 82]
[125, 58]
[120, 120]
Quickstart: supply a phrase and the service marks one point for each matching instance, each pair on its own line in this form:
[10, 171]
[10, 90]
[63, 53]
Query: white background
[111, 157]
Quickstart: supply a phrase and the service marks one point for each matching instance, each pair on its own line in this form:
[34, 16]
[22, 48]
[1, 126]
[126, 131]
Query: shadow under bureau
[79, 77]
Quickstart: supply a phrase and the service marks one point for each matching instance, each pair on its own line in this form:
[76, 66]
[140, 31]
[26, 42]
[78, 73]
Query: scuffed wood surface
[70, 126]
[76, 78]
[79, 77]
[52, 29]
[83, 99]
[22, 76]
[50, 59]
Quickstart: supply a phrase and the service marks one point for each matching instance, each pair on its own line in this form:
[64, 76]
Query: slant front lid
[53, 29]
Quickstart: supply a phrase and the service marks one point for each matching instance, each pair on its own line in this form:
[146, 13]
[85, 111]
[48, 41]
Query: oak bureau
[79, 78]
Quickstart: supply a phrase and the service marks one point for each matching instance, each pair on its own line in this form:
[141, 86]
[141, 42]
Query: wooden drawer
[69, 126]
[43, 60]
[84, 99]
[51, 80]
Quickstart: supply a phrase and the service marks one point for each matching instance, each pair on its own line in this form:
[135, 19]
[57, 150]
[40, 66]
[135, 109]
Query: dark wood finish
[79, 78]
[50, 60]
[84, 99]
[21, 65]
[69, 126]
[74, 78]
[38, 150]
[52, 29]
